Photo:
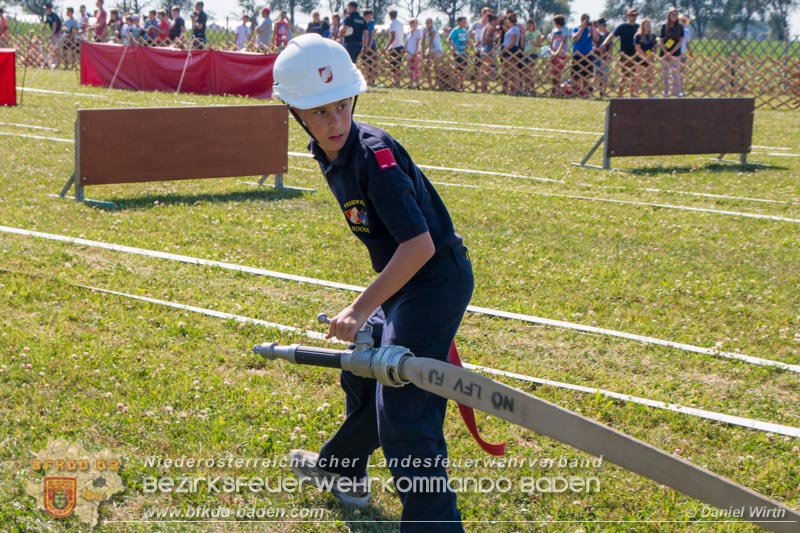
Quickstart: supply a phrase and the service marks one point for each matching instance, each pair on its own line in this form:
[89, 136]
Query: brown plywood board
[161, 144]
[645, 126]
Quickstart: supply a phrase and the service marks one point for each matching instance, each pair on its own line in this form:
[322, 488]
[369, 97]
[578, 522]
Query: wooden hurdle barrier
[174, 143]
[675, 126]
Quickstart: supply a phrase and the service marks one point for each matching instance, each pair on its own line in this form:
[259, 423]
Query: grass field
[616, 250]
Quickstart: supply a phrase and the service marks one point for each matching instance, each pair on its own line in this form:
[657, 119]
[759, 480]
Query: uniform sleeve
[395, 198]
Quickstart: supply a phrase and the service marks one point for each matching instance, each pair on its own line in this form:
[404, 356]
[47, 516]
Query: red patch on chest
[385, 159]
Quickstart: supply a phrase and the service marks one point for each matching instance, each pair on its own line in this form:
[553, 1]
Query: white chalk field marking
[29, 126]
[721, 196]
[777, 154]
[693, 411]
[761, 147]
[535, 178]
[210, 312]
[48, 91]
[701, 413]
[355, 288]
[38, 137]
[671, 206]
[500, 126]
[464, 170]
[634, 337]
[452, 128]
[85, 95]
[632, 202]
[181, 258]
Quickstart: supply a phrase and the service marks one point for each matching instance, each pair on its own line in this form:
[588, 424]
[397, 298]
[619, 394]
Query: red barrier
[160, 69]
[8, 82]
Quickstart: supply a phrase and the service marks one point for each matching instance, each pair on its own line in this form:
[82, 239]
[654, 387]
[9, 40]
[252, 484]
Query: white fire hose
[396, 366]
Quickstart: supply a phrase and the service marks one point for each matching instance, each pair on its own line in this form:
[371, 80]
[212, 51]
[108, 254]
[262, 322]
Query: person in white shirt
[414, 48]
[83, 24]
[395, 46]
[243, 33]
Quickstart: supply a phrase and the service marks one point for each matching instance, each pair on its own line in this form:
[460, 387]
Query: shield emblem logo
[326, 74]
[60, 495]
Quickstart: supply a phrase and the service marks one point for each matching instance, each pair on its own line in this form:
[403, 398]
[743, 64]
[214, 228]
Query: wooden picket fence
[767, 71]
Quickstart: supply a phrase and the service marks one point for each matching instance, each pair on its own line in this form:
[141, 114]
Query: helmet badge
[326, 74]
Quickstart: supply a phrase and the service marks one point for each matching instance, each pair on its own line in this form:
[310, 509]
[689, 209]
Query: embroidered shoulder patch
[385, 158]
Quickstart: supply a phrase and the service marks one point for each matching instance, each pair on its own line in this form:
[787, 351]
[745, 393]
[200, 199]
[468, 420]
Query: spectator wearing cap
[627, 50]
[137, 33]
[264, 30]
[353, 31]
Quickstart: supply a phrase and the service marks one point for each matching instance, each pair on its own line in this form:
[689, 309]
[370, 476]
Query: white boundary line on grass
[533, 178]
[48, 91]
[480, 125]
[721, 196]
[453, 128]
[701, 413]
[39, 137]
[777, 154]
[500, 126]
[464, 170]
[589, 198]
[29, 126]
[355, 288]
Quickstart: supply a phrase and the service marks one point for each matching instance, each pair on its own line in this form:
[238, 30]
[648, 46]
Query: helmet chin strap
[303, 124]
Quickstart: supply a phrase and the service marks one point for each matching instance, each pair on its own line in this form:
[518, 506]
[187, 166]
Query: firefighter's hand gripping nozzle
[384, 364]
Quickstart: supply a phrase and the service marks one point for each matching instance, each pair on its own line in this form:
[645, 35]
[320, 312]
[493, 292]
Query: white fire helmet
[313, 71]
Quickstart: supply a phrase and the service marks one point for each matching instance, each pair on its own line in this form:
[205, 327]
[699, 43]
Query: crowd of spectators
[497, 48]
[514, 52]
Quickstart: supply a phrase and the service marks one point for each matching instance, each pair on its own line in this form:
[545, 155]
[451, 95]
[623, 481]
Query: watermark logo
[60, 495]
[74, 481]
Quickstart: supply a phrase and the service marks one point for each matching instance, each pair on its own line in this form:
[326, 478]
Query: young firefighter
[423, 287]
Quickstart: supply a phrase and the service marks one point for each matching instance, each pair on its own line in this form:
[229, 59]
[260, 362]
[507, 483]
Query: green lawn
[145, 380]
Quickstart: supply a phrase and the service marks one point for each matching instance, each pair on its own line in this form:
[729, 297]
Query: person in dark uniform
[423, 287]
[353, 32]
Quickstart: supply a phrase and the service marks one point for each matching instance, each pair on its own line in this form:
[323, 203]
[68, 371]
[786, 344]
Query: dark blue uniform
[354, 42]
[386, 200]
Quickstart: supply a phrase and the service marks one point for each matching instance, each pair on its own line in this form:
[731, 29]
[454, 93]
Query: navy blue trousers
[407, 421]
